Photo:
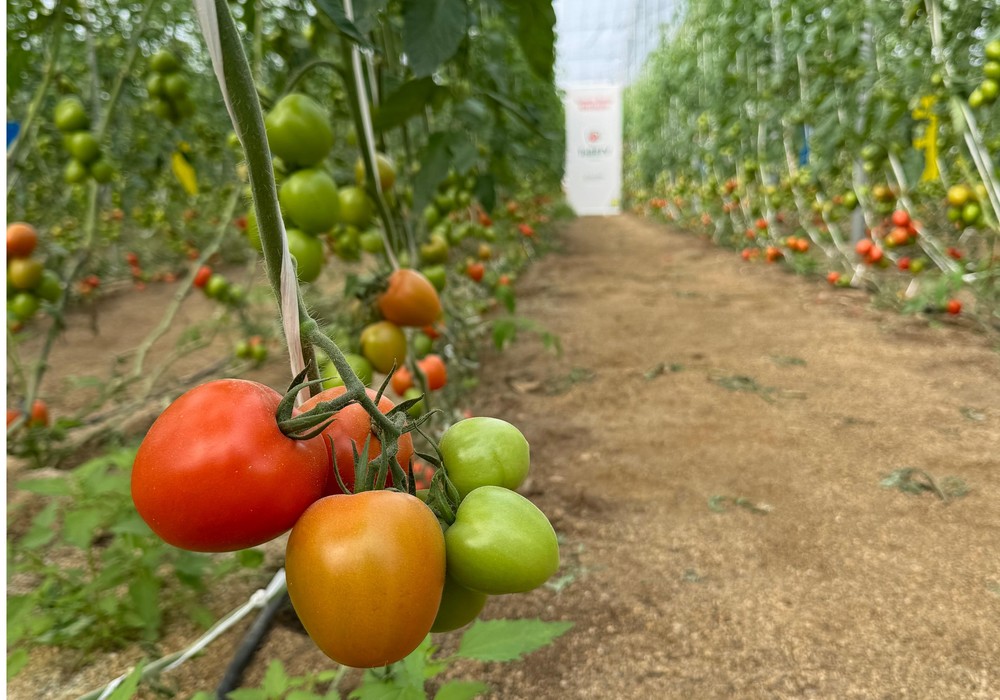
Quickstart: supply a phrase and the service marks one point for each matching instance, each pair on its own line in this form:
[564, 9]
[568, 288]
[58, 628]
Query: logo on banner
[594, 146]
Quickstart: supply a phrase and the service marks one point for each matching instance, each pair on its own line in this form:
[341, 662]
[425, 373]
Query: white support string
[208, 19]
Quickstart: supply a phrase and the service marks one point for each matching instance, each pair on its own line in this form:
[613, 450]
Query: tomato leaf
[41, 531]
[372, 689]
[275, 679]
[16, 661]
[334, 10]
[45, 487]
[80, 526]
[535, 28]
[508, 640]
[250, 558]
[144, 590]
[126, 689]
[432, 32]
[461, 690]
[406, 102]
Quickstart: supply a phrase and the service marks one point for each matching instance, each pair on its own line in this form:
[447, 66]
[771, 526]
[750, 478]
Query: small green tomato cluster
[168, 88]
[73, 122]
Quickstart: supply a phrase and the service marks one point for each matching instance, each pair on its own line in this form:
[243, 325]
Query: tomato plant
[365, 574]
[214, 473]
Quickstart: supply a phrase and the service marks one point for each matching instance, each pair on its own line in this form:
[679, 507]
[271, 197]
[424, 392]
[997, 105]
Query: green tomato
[83, 146]
[299, 131]
[308, 253]
[500, 543]
[176, 86]
[484, 451]
[459, 606]
[102, 171]
[991, 70]
[164, 61]
[23, 306]
[217, 287]
[437, 274]
[70, 115]
[431, 216]
[156, 85]
[990, 89]
[50, 287]
[309, 198]
[386, 171]
[362, 367]
[422, 344]
[163, 109]
[355, 207]
[75, 172]
[992, 50]
[417, 409]
[434, 250]
[347, 245]
[371, 241]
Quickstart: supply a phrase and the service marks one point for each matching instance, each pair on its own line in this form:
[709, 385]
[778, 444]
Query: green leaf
[16, 661]
[275, 680]
[387, 690]
[57, 486]
[248, 694]
[508, 640]
[366, 13]
[485, 191]
[41, 531]
[80, 526]
[461, 690]
[250, 558]
[144, 592]
[301, 695]
[334, 10]
[535, 28]
[432, 32]
[504, 333]
[126, 689]
[408, 101]
[506, 296]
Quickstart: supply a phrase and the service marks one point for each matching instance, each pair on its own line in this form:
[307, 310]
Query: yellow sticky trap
[928, 141]
[184, 171]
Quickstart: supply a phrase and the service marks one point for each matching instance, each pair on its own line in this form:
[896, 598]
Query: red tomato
[202, 276]
[21, 240]
[900, 217]
[215, 474]
[863, 246]
[475, 271]
[354, 425]
[39, 413]
[410, 300]
[401, 381]
[833, 277]
[526, 230]
[365, 575]
[954, 307]
[434, 369]
[12, 415]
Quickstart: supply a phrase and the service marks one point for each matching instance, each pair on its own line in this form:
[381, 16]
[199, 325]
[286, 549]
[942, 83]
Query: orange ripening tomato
[365, 575]
[21, 240]
[434, 369]
[410, 300]
[401, 380]
[353, 425]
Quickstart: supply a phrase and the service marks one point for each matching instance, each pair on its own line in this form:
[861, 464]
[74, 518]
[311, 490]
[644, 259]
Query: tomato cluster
[72, 120]
[168, 88]
[28, 282]
[216, 286]
[370, 572]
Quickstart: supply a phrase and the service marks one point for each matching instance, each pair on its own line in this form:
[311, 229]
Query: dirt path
[688, 380]
[842, 589]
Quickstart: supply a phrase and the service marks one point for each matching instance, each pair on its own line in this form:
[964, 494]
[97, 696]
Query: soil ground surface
[711, 446]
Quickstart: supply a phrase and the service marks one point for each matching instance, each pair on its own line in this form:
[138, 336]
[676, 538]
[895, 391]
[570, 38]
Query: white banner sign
[594, 149]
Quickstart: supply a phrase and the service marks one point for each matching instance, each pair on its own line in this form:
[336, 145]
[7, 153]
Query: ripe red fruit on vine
[39, 414]
[434, 370]
[833, 277]
[954, 253]
[903, 263]
[901, 217]
[202, 276]
[954, 307]
[475, 271]
[875, 255]
[410, 299]
[864, 246]
[746, 253]
[526, 230]
[21, 240]
[401, 381]
[761, 224]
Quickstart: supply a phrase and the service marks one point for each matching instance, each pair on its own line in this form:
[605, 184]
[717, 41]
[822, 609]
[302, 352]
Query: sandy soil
[710, 447]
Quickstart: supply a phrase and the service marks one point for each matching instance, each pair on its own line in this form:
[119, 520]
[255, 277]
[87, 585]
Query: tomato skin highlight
[500, 543]
[215, 474]
[410, 300]
[354, 425]
[365, 575]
